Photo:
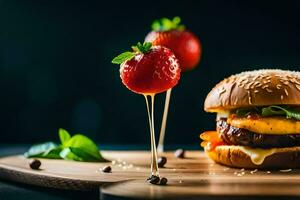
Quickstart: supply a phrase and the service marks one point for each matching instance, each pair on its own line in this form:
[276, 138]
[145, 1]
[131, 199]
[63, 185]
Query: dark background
[56, 71]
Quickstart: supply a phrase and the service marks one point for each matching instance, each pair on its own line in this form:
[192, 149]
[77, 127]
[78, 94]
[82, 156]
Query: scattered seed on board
[35, 164]
[106, 169]
[254, 171]
[161, 161]
[285, 170]
[179, 153]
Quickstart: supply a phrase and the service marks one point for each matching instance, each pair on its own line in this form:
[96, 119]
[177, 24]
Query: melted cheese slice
[258, 155]
[267, 125]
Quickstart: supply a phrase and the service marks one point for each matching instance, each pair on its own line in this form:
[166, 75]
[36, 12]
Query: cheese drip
[258, 155]
[268, 125]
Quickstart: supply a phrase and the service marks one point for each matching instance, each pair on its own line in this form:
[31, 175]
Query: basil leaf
[44, 150]
[78, 155]
[67, 154]
[278, 110]
[53, 153]
[86, 156]
[64, 136]
[78, 148]
[86, 145]
[123, 57]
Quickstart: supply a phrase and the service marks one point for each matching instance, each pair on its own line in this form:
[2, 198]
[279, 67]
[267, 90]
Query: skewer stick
[160, 147]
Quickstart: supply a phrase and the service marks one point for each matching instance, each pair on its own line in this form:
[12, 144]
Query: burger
[258, 120]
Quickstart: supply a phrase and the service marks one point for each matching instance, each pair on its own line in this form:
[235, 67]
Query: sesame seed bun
[255, 88]
[285, 158]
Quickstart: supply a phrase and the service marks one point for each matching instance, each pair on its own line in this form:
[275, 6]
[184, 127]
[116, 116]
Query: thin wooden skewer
[160, 147]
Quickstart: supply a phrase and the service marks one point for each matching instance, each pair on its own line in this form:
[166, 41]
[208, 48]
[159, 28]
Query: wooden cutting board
[195, 176]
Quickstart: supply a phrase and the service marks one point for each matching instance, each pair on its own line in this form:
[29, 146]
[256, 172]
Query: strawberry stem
[143, 48]
[165, 24]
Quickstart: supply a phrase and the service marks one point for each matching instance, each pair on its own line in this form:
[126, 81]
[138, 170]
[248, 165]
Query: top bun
[255, 88]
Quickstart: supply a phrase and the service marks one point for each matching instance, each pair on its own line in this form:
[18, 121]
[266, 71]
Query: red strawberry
[185, 45]
[149, 69]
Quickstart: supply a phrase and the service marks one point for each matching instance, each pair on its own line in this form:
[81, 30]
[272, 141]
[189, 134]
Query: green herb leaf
[44, 150]
[64, 136]
[78, 148]
[165, 24]
[78, 154]
[123, 57]
[278, 110]
[53, 153]
[86, 145]
[67, 154]
[143, 48]
[147, 46]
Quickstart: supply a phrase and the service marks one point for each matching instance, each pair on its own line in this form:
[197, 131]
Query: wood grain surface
[192, 177]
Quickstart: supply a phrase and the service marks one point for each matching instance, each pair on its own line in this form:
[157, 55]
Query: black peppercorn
[161, 161]
[106, 169]
[35, 164]
[163, 181]
[153, 179]
[179, 153]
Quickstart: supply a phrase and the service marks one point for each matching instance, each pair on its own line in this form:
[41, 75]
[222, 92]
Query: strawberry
[171, 34]
[148, 69]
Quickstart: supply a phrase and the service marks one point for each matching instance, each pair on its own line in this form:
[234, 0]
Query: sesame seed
[285, 170]
[249, 97]
[256, 91]
[286, 92]
[278, 86]
[223, 90]
[269, 90]
[265, 86]
[281, 97]
[298, 87]
[292, 80]
[257, 83]
[285, 83]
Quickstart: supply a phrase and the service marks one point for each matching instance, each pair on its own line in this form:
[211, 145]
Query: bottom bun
[232, 156]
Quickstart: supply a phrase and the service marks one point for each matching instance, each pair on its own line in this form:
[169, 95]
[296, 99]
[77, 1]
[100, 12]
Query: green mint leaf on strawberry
[138, 48]
[166, 24]
[123, 57]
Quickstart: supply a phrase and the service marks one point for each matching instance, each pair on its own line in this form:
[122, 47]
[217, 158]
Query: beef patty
[239, 136]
